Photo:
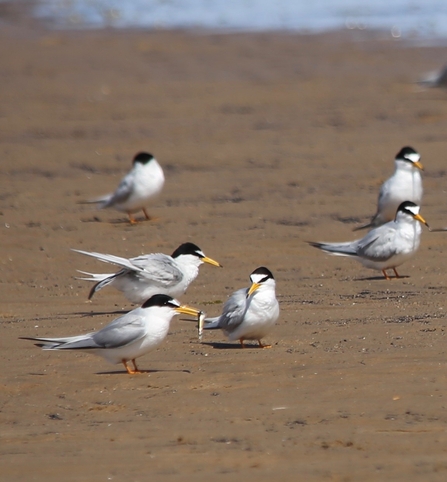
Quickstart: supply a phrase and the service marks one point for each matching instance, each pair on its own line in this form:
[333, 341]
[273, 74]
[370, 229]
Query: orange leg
[132, 220]
[149, 218]
[396, 273]
[242, 342]
[261, 345]
[386, 276]
[137, 370]
[129, 370]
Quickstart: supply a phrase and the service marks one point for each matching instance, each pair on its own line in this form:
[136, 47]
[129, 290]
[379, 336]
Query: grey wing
[383, 194]
[233, 311]
[378, 244]
[123, 191]
[122, 331]
[159, 268]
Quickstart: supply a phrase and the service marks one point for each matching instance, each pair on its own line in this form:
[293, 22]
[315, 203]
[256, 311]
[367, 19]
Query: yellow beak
[419, 165]
[211, 261]
[419, 218]
[253, 288]
[187, 310]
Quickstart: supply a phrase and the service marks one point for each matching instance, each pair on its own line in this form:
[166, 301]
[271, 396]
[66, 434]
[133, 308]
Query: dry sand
[267, 140]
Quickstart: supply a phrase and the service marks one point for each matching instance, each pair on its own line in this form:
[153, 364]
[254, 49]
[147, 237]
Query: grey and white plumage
[149, 274]
[404, 185]
[138, 187]
[128, 337]
[250, 313]
[386, 246]
[436, 78]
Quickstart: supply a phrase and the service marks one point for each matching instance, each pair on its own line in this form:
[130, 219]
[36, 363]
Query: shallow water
[408, 18]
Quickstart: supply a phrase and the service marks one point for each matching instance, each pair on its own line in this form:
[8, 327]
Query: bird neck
[189, 265]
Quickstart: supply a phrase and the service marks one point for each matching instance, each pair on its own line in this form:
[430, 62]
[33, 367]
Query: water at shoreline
[400, 18]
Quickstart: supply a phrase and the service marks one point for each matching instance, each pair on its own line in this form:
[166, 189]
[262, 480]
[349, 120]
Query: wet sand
[267, 141]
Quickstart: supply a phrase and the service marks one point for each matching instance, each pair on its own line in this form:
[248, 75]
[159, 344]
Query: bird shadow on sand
[191, 320]
[85, 314]
[142, 372]
[230, 346]
[119, 221]
[381, 278]
[93, 219]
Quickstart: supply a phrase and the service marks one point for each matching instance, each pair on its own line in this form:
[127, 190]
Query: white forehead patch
[257, 278]
[413, 209]
[413, 157]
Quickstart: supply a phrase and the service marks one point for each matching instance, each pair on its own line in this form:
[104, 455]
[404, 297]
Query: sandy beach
[267, 141]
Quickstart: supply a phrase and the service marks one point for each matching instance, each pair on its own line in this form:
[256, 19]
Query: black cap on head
[408, 207]
[412, 209]
[143, 158]
[405, 152]
[188, 248]
[160, 300]
[264, 272]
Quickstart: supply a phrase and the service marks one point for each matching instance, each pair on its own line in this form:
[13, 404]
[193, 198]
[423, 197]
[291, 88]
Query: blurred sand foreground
[267, 140]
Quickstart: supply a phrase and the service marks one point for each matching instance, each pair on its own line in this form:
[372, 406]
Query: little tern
[137, 188]
[128, 337]
[249, 313]
[386, 246]
[141, 277]
[404, 185]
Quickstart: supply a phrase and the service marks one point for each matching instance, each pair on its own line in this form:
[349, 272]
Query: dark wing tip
[92, 291]
[315, 244]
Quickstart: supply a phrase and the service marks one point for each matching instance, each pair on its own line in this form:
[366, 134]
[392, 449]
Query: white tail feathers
[110, 258]
[96, 277]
